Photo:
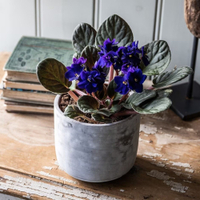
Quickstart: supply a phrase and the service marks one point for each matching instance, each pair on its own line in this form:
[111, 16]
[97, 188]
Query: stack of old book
[22, 91]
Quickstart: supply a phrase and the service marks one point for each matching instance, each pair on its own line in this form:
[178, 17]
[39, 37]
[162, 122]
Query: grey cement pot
[94, 152]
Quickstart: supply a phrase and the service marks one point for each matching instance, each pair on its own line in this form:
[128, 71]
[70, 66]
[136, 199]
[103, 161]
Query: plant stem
[72, 95]
[117, 72]
[123, 98]
[150, 88]
[88, 119]
[111, 74]
[79, 92]
[94, 95]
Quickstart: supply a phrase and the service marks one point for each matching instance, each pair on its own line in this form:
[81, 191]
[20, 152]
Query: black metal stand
[186, 97]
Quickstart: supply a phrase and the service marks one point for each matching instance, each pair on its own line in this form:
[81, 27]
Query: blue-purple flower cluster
[126, 60]
[91, 81]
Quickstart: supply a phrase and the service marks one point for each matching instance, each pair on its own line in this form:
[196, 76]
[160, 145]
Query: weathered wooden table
[167, 165]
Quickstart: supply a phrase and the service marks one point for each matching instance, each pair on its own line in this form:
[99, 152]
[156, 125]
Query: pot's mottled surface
[95, 153]
[192, 16]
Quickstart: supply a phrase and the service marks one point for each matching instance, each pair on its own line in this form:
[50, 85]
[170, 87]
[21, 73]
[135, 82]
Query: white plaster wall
[17, 18]
[149, 20]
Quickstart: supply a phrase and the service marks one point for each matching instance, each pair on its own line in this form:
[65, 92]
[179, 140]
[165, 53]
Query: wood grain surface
[167, 165]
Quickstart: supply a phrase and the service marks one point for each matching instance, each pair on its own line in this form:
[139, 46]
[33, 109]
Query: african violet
[108, 72]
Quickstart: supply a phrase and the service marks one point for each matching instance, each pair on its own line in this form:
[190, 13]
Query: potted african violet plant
[106, 81]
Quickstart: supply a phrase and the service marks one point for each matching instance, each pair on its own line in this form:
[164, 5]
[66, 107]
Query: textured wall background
[149, 20]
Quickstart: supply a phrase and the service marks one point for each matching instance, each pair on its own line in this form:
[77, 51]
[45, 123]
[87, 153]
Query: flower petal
[70, 75]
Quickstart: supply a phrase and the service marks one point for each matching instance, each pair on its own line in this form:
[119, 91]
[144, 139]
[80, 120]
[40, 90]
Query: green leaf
[111, 89]
[51, 74]
[138, 98]
[155, 106]
[83, 35]
[104, 111]
[164, 93]
[72, 111]
[167, 78]
[114, 28]
[118, 97]
[101, 118]
[159, 56]
[115, 108]
[91, 53]
[107, 102]
[88, 104]
[108, 112]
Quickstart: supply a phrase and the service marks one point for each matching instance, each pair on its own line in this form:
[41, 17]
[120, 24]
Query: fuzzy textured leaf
[155, 106]
[101, 118]
[51, 74]
[168, 78]
[114, 28]
[88, 104]
[91, 53]
[108, 112]
[118, 97]
[115, 108]
[83, 35]
[107, 102]
[104, 112]
[159, 56]
[137, 98]
[164, 93]
[72, 111]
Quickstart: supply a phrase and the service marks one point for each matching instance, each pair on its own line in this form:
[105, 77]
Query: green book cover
[31, 50]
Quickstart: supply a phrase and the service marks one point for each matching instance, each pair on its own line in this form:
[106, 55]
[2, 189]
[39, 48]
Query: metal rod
[193, 62]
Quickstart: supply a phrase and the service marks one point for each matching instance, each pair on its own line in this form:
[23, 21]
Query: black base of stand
[186, 108]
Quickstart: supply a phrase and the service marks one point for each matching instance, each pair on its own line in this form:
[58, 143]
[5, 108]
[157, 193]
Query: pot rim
[57, 100]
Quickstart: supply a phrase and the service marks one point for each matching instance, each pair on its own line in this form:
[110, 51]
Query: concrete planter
[95, 152]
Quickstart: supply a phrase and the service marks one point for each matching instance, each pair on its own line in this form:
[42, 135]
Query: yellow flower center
[136, 80]
[130, 56]
[124, 82]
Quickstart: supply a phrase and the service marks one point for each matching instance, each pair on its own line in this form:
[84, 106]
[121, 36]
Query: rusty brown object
[167, 164]
[192, 16]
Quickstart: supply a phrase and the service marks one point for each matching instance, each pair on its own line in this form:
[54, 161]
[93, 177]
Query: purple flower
[108, 59]
[131, 55]
[117, 60]
[79, 61]
[75, 69]
[132, 80]
[108, 53]
[136, 79]
[134, 47]
[100, 69]
[108, 46]
[91, 81]
[126, 67]
[122, 84]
